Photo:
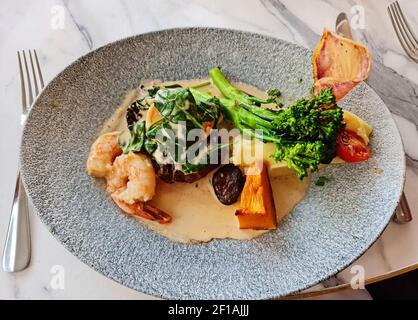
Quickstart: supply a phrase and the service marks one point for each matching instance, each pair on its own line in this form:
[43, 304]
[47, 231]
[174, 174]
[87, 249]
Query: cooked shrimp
[130, 177]
[131, 183]
[133, 176]
[102, 154]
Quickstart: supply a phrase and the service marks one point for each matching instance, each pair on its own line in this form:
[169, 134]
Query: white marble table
[62, 31]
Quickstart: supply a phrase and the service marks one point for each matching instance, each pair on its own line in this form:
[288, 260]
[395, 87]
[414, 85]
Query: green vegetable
[153, 90]
[305, 133]
[201, 85]
[227, 90]
[321, 181]
[300, 156]
[314, 119]
[274, 93]
[274, 96]
[240, 116]
[317, 118]
[246, 101]
[136, 142]
[177, 106]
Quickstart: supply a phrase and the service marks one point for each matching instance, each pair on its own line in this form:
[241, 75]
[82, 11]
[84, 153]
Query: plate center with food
[203, 159]
[250, 166]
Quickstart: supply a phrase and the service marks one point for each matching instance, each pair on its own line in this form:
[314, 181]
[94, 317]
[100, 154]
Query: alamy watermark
[358, 17]
[358, 279]
[196, 147]
[57, 21]
[57, 280]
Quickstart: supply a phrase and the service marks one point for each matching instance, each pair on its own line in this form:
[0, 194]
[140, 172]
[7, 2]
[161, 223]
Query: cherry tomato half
[351, 147]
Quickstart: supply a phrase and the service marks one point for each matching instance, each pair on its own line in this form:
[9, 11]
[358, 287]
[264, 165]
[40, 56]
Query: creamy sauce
[197, 214]
[118, 120]
[199, 217]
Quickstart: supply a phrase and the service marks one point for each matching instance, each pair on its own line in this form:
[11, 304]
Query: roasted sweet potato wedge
[257, 210]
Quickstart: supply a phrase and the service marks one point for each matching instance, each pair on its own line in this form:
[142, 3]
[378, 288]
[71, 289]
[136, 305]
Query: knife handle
[403, 211]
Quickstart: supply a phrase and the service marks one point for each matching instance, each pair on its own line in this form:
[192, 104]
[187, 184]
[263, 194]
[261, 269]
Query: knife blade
[402, 212]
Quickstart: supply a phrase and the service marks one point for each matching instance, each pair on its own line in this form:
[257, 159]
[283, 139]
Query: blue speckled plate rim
[156, 33]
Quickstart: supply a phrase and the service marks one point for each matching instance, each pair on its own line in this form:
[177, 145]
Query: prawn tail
[150, 212]
[142, 209]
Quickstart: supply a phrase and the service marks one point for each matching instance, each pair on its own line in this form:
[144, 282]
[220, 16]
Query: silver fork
[17, 248]
[409, 43]
[404, 32]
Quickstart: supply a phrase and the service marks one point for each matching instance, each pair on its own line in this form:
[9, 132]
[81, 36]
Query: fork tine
[35, 81]
[22, 83]
[28, 80]
[41, 79]
[405, 24]
[399, 32]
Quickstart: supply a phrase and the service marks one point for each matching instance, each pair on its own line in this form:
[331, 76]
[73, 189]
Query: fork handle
[16, 254]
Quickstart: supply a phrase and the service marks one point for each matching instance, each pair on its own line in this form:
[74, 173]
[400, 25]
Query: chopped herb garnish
[321, 181]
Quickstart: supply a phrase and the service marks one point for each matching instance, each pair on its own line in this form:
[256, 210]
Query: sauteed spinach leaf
[166, 139]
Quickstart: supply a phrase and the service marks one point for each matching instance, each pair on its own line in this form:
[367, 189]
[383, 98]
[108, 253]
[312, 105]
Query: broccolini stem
[253, 121]
[235, 113]
[233, 93]
[226, 88]
[200, 85]
[200, 96]
[264, 113]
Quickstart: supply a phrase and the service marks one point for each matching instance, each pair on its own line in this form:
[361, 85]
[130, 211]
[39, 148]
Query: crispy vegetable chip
[340, 64]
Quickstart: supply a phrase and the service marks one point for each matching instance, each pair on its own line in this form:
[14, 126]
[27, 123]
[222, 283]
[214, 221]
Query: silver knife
[402, 212]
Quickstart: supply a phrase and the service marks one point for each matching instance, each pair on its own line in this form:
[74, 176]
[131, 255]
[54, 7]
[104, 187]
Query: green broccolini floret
[300, 156]
[312, 119]
[305, 133]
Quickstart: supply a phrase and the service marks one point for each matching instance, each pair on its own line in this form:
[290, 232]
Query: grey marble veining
[81, 28]
[293, 23]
